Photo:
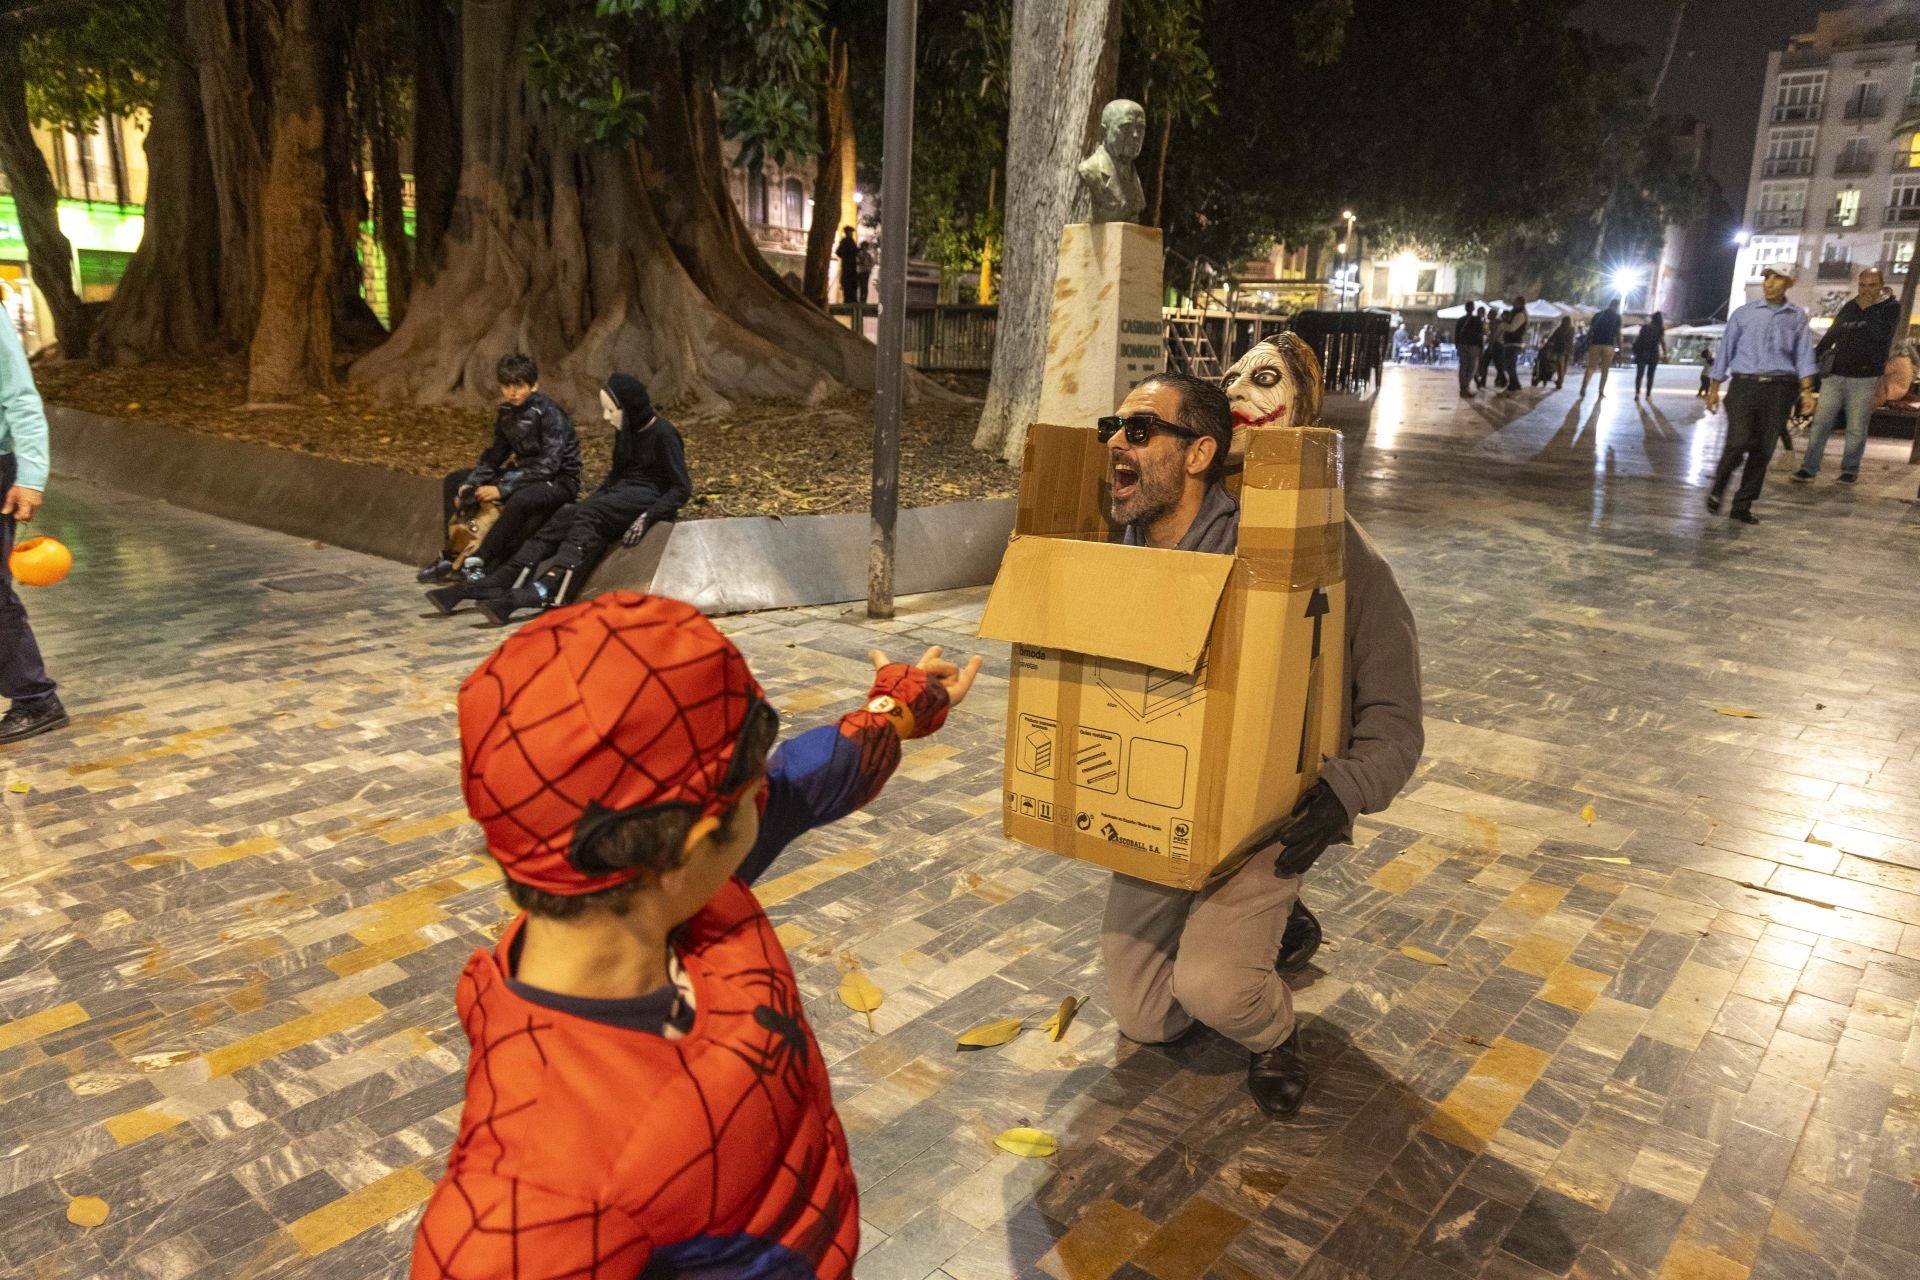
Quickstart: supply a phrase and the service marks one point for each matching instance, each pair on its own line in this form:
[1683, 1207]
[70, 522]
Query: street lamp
[1625, 281]
[1741, 236]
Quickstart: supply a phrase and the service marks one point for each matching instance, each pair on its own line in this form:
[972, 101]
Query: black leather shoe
[1849, 479]
[1713, 503]
[1277, 1079]
[21, 723]
[495, 584]
[503, 606]
[1801, 476]
[1300, 941]
[1746, 517]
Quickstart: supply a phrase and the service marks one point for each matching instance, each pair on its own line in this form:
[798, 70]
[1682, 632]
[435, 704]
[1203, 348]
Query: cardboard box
[1168, 708]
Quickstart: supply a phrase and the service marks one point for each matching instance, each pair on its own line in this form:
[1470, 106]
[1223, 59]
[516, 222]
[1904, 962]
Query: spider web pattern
[585, 1150]
[623, 701]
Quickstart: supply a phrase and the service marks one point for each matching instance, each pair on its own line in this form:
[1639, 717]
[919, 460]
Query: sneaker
[439, 571]
[473, 571]
[1746, 517]
[1277, 1079]
[1713, 503]
[1803, 475]
[24, 721]
[1848, 479]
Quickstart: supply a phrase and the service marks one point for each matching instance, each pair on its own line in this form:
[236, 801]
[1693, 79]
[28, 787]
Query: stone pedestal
[1105, 335]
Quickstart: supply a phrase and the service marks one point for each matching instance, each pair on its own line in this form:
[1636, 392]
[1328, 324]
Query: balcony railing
[1902, 214]
[1773, 219]
[1843, 218]
[1864, 107]
[1797, 111]
[1787, 166]
[1852, 162]
[1836, 269]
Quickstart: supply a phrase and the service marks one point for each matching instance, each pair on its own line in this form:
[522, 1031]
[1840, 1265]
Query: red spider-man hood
[622, 702]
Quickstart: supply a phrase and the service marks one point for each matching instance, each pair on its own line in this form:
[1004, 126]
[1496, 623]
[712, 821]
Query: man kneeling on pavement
[1218, 955]
[645, 486]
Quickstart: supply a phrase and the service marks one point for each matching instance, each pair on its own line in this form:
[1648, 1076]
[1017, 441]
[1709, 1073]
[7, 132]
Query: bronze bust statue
[1107, 176]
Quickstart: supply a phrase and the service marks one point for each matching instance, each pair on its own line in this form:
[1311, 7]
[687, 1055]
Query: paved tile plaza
[1673, 1036]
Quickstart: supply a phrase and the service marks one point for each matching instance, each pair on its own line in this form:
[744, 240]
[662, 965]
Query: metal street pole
[890, 375]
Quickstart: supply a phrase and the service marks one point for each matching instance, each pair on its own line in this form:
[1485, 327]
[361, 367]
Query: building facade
[1833, 189]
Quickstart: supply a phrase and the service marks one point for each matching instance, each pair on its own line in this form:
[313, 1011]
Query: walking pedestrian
[1706, 366]
[1551, 362]
[33, 705]
[848, 252]
[1858, 341]
[1469, 337]
[1768, 352]
[1649, 349]
[1603, 343]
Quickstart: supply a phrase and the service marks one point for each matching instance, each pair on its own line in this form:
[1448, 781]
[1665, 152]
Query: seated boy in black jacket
[532, 468]
[646, 485]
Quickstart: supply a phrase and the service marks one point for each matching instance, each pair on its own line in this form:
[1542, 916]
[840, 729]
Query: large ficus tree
[595, 229]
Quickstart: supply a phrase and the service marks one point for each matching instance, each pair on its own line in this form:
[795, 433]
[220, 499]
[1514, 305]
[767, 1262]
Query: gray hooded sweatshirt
[1381, 732]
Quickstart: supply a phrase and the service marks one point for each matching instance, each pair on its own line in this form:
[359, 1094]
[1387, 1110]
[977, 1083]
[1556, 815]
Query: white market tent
[1538, 309]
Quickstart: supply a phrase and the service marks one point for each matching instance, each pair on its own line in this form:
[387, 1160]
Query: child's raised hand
[957, 680]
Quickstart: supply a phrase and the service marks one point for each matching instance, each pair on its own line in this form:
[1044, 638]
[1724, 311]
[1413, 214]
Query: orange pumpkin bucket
[40, 562]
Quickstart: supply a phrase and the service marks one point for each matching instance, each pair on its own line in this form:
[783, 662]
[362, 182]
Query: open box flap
[1137, 604]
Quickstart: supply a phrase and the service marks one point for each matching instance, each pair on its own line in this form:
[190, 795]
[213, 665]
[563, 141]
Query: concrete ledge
[720, 566]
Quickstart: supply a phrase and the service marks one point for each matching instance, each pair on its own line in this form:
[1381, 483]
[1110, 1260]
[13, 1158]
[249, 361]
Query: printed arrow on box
[1318, 606]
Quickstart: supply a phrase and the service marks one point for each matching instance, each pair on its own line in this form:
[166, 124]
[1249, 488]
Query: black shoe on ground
[1847, 479]
[1801, 476]
[1746, 517]
[1300, 941]
[1713, 503]
[23, 722]
[503, 606]
[1277, 1079]
[439, 571]
[498, 583]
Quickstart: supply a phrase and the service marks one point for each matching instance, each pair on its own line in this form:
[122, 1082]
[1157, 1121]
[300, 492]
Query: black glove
[1318, 820]
[635, 531]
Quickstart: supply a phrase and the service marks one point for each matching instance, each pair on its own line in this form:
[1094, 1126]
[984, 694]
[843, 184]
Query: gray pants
[1469, 365]
[1174, 956]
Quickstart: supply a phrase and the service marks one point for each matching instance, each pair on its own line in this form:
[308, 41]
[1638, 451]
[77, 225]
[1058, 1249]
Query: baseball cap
[1783, 270]
[619, 704]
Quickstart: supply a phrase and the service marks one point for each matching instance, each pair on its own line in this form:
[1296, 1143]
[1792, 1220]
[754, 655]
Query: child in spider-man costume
[644, 1094]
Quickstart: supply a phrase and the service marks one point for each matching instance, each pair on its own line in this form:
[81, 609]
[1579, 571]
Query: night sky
[1718, 68]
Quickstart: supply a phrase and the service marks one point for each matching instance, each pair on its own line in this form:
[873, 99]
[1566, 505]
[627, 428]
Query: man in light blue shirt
[1768, 352]
[35, 708]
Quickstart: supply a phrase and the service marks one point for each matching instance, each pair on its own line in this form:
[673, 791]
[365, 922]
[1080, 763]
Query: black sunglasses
[1140, 428]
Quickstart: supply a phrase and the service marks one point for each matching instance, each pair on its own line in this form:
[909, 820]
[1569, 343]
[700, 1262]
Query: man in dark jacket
[1469, 338]
[532, 468]
[848, 252]
[1603, 343]
[1860, 338]
[645, 486]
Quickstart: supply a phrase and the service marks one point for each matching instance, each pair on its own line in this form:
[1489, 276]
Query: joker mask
[1276, 384]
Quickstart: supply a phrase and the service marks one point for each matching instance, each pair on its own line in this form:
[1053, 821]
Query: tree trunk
[1058, 49]
[558, 251]
[390, 220]
[833, 187]
[225, 36]
[686, 180]
[49, 252]
[436, 130]
[167, 304]
[356, 329]
[292, 349]
[1159, 172]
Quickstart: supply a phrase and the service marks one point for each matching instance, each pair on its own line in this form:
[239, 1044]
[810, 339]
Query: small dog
[469, 525]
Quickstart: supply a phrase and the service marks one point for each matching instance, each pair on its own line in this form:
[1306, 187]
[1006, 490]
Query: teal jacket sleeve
[23, 420]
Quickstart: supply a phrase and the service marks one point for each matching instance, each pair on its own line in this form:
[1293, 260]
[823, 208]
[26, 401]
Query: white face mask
[610, 409]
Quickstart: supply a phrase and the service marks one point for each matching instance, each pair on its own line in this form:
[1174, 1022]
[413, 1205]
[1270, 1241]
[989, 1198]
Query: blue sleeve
[1803, 363]
[21, 413]
[1728, 341]
[816, 778]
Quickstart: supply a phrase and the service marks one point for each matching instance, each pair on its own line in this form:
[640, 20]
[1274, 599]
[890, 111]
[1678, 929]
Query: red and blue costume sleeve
[827, 773]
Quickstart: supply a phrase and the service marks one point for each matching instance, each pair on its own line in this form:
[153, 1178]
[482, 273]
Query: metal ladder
[1189, 349]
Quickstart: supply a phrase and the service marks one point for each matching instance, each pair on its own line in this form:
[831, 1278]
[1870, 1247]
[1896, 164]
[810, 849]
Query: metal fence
[955, 338]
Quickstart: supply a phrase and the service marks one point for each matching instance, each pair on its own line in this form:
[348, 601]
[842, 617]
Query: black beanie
[631, 395]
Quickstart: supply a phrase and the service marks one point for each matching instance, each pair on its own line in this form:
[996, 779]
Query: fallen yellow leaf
[1027, 1142]
[858, 993]
[1740, 713]
[992, 1033]
[87, 1211]
[18, 788]
[1057, 1025]
[1623, 862]
[1588, 814]
[1824, 844]
[1424, 957]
